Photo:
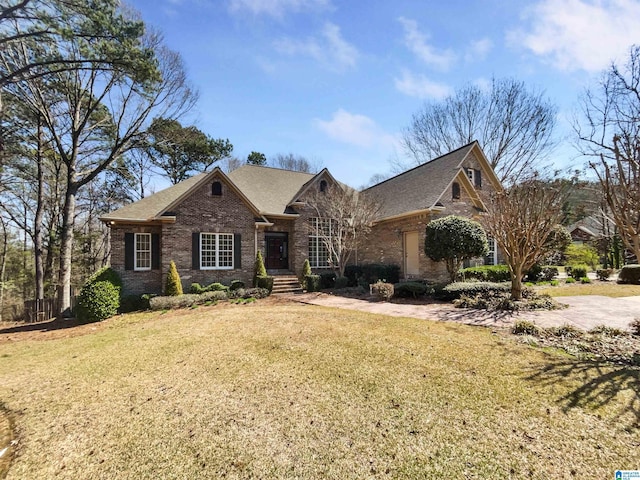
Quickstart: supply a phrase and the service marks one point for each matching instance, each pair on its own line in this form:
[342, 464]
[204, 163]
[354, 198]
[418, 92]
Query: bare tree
[343, 218]
[609, 133]
[296, 163]
[524, 219]
[514, 125]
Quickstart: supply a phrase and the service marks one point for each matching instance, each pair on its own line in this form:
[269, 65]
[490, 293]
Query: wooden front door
[411, 254]
[277, 251]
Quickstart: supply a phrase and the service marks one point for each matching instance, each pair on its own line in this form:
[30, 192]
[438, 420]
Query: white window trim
[493, 249]
[135, 253]
[313, 262]
[217, 252]
[471, 175]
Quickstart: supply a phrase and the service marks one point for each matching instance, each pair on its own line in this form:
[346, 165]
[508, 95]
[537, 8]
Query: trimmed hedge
[99, 298]
[191, 299]
[134, 303]
[265, 282]
[579, 271]
[629, 274]
[411, 289]
[341, 282]
[327, 280]
[236, 284]
[486, 273]
[367, 274]
[312, 283]
[198, 289]
[456, 290]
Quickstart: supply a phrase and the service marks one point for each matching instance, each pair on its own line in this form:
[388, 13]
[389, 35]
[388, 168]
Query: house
[212, 224]
[591, 229]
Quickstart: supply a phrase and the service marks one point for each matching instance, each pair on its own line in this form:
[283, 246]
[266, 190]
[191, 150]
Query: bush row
[191, 299]
[486, 273]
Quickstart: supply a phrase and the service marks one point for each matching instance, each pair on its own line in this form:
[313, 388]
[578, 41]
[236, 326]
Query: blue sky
[338, 81]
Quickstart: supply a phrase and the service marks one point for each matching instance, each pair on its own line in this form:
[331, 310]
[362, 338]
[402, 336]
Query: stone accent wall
[134, 282]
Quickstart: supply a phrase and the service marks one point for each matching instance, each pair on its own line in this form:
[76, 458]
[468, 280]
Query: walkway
[584, 312]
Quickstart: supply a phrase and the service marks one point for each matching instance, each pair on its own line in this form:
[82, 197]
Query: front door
[277, 251]
[411, 256]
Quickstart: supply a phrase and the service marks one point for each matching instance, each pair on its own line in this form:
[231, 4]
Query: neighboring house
[590, 229]
[213, 224]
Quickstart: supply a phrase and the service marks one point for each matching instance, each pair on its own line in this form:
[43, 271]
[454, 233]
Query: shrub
[196, 288]
[327, 279]
[250, 293]
[566, 331]
[306, 268]
[487, 273]
[185, 300]
[133, 303]
[603, 274]
[98, 301]
[525, 327]
[174, 284]
[554, 283]
[634, 326]
[367, 274]
[383, 291]
[100, 296]
[570, 280]
[341, 282]
[583, 255]
[534, 273]
[607, 331]
[236, 284]
[259, 270]
[411, 289]
[265, 282]
[457, 289]
[579, 271]
[585, 280]
[629, 274]
[549, 273]
[312, 283]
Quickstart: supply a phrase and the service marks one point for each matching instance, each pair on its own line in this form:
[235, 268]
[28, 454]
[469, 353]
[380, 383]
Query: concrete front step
[286, 284]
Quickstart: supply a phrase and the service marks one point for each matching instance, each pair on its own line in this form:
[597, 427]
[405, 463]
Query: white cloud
[356, 129]
[420, 86]
[416, 41]
[330, 48]
[478, 50]
[277, 8]
[579, 34]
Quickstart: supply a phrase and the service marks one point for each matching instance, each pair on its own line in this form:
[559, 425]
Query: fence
[43, 309]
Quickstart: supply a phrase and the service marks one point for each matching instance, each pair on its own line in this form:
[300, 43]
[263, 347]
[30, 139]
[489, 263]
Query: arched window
[216, 189]
[455, 190]
[323, 185]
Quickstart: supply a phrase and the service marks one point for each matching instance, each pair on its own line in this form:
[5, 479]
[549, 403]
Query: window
[492, 256]
[323, 185]
[319, 228]
[142, 252]
[216, 189]
[216, 251]
[455, 190]
[471, 174]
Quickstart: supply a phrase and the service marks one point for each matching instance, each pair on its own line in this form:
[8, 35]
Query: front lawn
[606, 289]
[272, 390]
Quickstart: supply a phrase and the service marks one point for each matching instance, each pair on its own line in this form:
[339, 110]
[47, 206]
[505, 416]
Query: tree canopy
[513, 123]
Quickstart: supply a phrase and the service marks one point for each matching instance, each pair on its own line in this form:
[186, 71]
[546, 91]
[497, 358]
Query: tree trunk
[66, 251]
[516, 283]
[37, 223]
[3, 264]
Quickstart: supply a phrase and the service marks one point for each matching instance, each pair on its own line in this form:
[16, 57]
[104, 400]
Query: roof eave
[412, 213]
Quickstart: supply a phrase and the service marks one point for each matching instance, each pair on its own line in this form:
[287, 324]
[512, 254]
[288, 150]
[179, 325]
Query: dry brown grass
[296, 391]
[606, 289]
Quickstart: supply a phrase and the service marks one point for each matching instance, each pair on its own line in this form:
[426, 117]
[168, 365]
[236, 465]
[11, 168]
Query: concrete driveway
[584, 312]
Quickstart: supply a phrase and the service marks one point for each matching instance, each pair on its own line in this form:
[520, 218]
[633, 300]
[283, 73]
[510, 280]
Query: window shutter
[455, 190]
[478, 177]
[155, 251]
[129, 240]
[195, 251]
[237, 251]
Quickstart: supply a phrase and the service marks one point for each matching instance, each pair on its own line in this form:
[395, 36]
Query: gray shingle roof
[150, 207]
[418, 188]
[269, 189]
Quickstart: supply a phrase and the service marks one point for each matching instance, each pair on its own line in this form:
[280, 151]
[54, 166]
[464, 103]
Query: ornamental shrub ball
[99, 298]
[174, 284]
[453, 240]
